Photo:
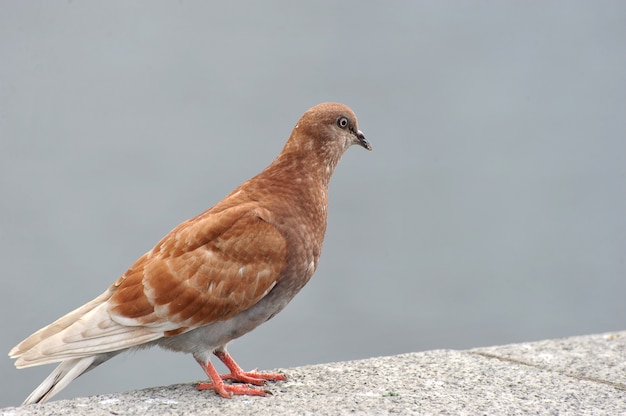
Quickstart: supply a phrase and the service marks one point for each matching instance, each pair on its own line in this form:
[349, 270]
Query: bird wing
[207, 269]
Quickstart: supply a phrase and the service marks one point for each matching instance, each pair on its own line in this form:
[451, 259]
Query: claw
[229, 390]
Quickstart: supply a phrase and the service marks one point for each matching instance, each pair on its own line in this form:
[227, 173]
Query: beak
[362, 140]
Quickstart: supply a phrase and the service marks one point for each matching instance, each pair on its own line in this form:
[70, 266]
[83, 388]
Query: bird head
[325, 132]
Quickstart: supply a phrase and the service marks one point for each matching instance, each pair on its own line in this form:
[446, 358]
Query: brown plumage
[216, 276]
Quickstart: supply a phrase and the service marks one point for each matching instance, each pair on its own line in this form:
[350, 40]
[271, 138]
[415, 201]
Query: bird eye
[342, 122]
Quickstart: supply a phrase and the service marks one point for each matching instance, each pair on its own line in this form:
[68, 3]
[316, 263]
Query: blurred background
[492, 209]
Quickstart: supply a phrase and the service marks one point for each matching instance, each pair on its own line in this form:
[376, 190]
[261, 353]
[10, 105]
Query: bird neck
[294, 183]
[312, 170]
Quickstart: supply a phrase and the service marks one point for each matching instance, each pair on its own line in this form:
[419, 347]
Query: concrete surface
[578, 375]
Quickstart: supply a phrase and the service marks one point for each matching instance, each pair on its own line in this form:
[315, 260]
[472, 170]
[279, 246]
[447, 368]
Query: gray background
[492, 209]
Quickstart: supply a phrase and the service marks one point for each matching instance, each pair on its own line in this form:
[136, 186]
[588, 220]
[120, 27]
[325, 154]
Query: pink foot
[237, 375]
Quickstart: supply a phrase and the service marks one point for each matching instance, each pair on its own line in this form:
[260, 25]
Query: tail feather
[59, 379]
[80, 341]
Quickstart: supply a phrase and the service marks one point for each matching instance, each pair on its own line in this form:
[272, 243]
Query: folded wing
[209, 268]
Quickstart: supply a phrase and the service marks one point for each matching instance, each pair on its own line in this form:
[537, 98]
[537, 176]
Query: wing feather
[227, 264]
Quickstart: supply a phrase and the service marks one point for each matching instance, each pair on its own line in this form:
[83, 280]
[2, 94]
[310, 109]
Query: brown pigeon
[214, 277]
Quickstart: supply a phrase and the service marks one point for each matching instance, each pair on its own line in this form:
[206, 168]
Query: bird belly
[218, 334]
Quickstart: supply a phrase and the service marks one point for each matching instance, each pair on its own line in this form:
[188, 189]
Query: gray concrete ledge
[578, 375]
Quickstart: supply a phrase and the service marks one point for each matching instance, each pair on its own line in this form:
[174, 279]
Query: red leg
[238, 375]
[225, 390]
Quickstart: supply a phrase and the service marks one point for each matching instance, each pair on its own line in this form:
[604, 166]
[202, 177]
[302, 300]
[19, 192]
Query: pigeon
[214, 277]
